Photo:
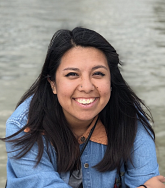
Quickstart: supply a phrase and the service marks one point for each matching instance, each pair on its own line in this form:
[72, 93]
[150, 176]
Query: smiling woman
[82, 86]
[70, 129]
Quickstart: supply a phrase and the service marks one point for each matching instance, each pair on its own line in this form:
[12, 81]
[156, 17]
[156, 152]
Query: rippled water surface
[135, 28]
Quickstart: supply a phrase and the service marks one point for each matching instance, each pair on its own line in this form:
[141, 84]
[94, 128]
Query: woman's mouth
[85, 101]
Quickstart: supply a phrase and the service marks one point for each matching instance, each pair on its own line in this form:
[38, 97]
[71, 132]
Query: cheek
[62, 88]
[107, 95]
[105, 92]
[105, 88]
[64, 93]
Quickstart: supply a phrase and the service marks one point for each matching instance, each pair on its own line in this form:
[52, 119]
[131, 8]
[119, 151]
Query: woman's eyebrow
[71, 68]
[93, 68]
[99, 66]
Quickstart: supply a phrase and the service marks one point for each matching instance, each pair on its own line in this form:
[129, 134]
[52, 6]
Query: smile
[85, 101]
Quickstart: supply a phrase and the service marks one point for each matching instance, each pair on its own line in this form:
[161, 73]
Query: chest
[91, 156]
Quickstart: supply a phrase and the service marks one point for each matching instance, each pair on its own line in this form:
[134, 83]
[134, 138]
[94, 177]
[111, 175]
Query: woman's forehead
[83, 56]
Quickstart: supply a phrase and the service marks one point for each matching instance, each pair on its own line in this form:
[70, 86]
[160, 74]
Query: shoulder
[143, 133]
[144, 142]
[20, 115]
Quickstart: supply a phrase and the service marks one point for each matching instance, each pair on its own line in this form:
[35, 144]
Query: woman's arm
[155, 182]
[23, 173]
[144, 161]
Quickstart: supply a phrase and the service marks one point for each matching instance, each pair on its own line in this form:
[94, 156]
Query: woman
[80, 124]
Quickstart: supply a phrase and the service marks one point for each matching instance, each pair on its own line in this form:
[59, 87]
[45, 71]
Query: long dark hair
[120, 115]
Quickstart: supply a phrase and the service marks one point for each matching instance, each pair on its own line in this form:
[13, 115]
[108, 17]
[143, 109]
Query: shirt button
[82, 139]
[86, 165]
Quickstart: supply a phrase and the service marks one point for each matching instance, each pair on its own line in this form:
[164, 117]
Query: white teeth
[85, 101]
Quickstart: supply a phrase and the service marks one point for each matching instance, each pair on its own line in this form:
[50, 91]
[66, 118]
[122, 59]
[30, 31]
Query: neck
[79, 128]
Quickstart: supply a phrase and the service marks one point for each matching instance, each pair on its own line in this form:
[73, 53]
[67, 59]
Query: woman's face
[82, 84]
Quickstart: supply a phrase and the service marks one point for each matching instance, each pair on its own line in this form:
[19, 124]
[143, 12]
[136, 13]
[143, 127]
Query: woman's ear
[52, 84]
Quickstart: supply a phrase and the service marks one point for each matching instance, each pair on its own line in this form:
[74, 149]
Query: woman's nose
[86, 85]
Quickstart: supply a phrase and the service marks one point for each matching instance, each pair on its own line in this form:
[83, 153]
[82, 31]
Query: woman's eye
[99, 74]
[71, 74]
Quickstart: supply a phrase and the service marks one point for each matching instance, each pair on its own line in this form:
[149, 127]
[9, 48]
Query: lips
[85, 101]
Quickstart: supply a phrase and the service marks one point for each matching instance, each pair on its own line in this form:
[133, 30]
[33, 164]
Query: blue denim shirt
[22, 173]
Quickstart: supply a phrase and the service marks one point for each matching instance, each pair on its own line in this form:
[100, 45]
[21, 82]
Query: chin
[86, 118]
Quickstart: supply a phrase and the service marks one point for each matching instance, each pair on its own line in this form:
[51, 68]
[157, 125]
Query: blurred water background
[135, 28]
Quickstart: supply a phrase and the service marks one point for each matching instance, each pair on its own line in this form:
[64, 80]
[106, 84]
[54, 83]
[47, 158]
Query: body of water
[135, 28]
